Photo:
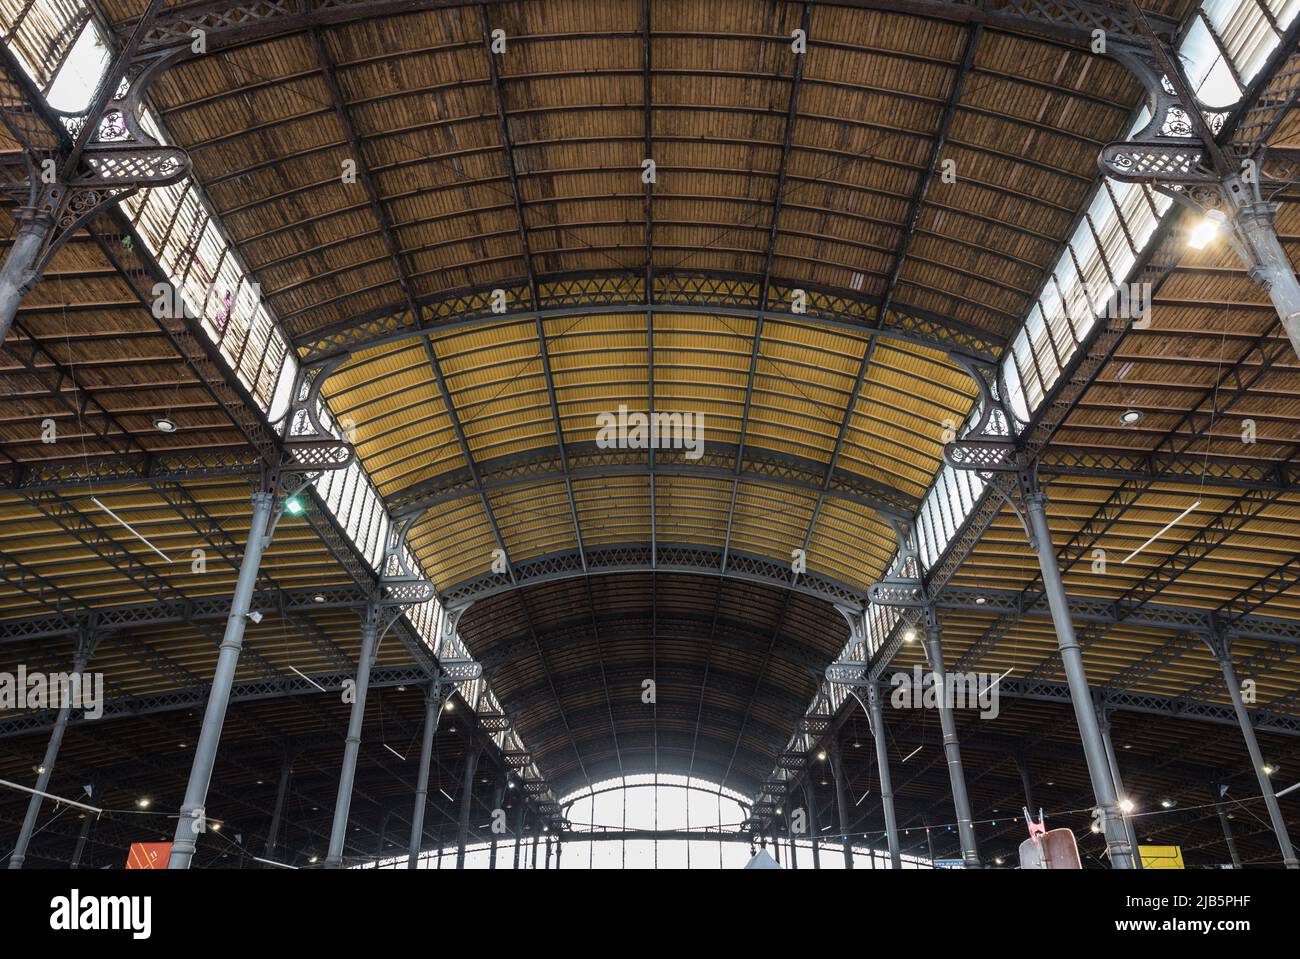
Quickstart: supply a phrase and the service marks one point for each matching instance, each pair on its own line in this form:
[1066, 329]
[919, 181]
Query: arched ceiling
[381, 178]
[731, 666]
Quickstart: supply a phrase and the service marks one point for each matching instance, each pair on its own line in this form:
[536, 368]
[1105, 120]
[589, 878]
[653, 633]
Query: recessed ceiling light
[318, 598]
[981, 600]
[909, 636]
[1126, 805]
[1269, 769]
[165, 424]
[144, 802]
[1130, 417]
[821, 755]
[1166, 804]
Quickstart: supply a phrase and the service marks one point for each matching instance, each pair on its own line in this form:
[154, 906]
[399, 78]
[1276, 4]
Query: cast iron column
[1022, 766]
[18, 275]
[886, 780]
[82, 836]
[810, 796]
[85, 646]
[1094, 751]
[352, 744]
[1269, 265]
[951, 745]
[519, 830]
[841, 798]
[281, 790]
[466, 800]
[1103, 720]
[498, 796]
[1217, 792]
[432, 714]
[789, 828]
[191, 820]
[1223, 652]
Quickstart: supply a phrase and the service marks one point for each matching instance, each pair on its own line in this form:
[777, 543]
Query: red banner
[148, 855]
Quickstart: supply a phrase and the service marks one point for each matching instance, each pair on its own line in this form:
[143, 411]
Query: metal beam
[229, 22]
[593, 294]
[586, 461]
[169, 612]
[640, 558]
[931, 168]
[1087, 609]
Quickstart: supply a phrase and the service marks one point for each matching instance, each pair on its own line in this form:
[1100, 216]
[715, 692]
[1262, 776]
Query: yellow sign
[1161, 857]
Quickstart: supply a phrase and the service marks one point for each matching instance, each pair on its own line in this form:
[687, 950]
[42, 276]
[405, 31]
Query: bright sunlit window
[77, 79]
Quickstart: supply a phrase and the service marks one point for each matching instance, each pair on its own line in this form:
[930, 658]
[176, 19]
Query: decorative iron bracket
[310, 447]
[856, 617]
[99, 158]
[1169, 149]
[902, 585]
[450, 623]
[990, 444]
[399, 584]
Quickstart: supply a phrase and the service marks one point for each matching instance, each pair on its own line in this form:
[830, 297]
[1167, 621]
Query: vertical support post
[352, 744]
[18, 275]
[951, 745]
[498, 796]
[466, 800]
[432, 714]
[1223, 653]
[85, 647]
[548, 851]
[519, 831]
[281, 791]
[886, 780]
[1267, 262]
[80, 849]
[1103, 720]
[841, 797]
[190, 822]
[789, 830]
[1022, 766]
[559, 851]
[810, 796]
[383, 836]
[1094, 751]
[1218, 792]
[534, 859]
